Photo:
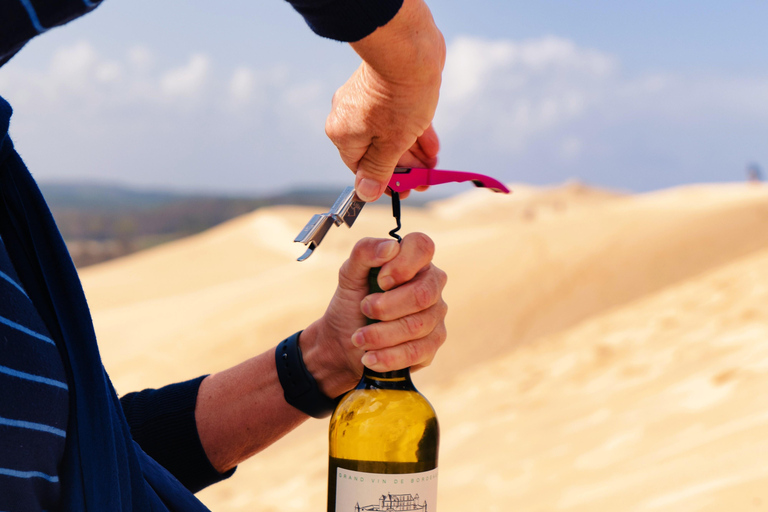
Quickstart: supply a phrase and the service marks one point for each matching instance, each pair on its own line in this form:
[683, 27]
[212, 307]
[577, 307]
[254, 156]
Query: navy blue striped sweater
[36, 406]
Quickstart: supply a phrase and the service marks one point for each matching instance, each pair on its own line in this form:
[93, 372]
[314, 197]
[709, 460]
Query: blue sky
[232, 97]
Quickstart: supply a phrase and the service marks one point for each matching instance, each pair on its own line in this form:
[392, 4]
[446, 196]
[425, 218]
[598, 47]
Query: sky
[232, 97]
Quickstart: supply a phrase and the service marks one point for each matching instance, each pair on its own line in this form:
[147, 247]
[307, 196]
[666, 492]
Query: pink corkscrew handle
[409, 178]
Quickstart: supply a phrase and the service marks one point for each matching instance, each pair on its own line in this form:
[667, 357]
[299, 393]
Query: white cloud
[470, 63]
[109, 72]
[187, 81]
[141, 58]
[73, 63]
[474, 65]
[242, 85]
[508, 92]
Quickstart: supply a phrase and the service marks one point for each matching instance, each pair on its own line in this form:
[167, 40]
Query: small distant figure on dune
[754, 174]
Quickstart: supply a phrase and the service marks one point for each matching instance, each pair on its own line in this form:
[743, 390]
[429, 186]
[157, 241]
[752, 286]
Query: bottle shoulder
[382, 402]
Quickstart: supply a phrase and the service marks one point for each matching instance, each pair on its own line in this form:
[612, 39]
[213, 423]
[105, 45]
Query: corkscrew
[347, 207]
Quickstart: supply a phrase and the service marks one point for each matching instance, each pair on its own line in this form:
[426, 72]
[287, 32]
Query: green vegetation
[101, 222]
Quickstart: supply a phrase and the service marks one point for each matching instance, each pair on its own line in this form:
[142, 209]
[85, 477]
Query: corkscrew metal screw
[396, 215]
[347, 207]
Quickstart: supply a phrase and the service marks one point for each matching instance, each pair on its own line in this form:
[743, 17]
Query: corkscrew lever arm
[409, 178]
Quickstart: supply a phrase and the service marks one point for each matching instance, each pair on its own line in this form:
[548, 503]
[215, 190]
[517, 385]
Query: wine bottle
[384, 439]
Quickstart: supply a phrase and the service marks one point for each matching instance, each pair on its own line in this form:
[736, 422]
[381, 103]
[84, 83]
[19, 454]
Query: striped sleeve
[21, 20]
[34, 401]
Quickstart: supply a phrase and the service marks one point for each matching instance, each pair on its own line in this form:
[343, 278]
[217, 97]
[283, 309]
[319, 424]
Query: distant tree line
[99, 222]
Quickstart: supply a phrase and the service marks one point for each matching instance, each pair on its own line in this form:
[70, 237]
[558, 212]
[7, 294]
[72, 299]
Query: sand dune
[606, 351]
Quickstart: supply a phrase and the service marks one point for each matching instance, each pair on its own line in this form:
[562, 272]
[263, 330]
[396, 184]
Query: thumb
[375, 169]
[368, 253]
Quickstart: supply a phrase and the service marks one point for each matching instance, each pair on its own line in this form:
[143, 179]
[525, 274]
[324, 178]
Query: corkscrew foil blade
[344, 211]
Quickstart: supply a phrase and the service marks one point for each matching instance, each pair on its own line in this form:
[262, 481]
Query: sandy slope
[606, 351]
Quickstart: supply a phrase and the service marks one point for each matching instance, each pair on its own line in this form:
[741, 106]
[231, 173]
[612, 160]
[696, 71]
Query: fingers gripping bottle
[384, 440]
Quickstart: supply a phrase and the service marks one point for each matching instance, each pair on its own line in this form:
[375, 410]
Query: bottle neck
[398, 379]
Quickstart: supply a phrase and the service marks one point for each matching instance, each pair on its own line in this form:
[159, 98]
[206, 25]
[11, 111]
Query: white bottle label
[374, 492]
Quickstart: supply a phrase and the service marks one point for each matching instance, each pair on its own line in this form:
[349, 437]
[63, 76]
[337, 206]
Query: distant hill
[100, 222]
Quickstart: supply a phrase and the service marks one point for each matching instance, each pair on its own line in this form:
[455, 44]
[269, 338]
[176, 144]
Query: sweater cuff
[346, 20]
[162, 422]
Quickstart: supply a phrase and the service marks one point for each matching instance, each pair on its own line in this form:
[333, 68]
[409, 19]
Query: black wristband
[299, 387]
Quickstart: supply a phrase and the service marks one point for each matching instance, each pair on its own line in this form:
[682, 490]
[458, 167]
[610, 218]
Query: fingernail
[386, 282]
[365, 307]
[386, 249]
[358, 340]
[367, 189]
[369, 359]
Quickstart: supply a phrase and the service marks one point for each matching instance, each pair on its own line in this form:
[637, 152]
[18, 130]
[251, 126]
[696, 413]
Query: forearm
[241, 411]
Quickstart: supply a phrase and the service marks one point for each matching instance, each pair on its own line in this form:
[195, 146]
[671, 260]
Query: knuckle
[398, 275]
[422, 295]
[336, 97]
[414, 325]
[377, 168]
[413, 353]
[389, 141]
[429, 347]
[376, 309]
[442, 309]
[442, 335]
[424, 244]
[372, 338]
[344, 279]
[386, 358]
[333, 129]
[362, 248]
[427, 362]
[358, 248]
[428, 357]
[442, 277]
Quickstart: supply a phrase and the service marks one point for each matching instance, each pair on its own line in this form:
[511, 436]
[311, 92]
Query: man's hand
[382, 116]
[411, 313]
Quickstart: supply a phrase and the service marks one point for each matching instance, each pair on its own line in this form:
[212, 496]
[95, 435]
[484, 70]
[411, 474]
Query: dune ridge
[604, 348]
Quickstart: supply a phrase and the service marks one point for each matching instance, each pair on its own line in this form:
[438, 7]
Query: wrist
[300, 389]
[328, 367]
[408, 49]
